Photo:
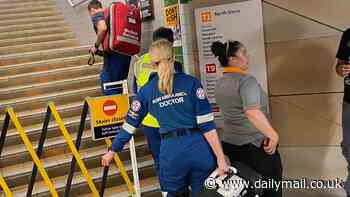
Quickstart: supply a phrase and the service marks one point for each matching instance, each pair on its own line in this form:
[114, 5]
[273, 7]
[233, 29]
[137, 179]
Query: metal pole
[39, 151]
[104, 180]
[77, 145]
[4, 131]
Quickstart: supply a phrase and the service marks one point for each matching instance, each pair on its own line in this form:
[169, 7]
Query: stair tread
[38, 44]
[147, 185]
[60, 159]
[9, 102]
[17, 88]
[42, 25]
[44, 31]
[50, 142]
[32, 20]
[43, 62]
[47, 72]
[25, 4]
[95, 173]
[14, 40]
[36, 13]
[38, 127]
[44, 52]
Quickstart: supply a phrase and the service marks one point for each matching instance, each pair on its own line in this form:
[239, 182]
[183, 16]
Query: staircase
[41, 61]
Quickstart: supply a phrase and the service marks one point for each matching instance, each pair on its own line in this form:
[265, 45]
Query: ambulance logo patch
[135, 106]
[200, 93]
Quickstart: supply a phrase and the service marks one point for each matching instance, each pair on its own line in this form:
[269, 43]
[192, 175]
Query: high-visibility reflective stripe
[121, 168]
[205, 118]
[129, 128]
[5, 187]
[32, 152]
[74, 150]
[164, 194]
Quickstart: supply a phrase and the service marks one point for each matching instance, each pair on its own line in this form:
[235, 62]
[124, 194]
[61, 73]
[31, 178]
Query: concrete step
[32, 79]
[38, 46]
[33, 120]
[34, 130]
[149, 188]
[58, 165]
[59, 97]
[79, 184]
[22, 91]
[43, 55]
[45, 65]
[12, 5]
[36, 25]
[34, 32]
[33, 14]
[28, 9]
[22, 1]
[37, 39]
[22, 21]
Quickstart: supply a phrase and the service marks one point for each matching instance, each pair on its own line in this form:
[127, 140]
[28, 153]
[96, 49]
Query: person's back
[115, 65]
[166, 107]
[228, 96]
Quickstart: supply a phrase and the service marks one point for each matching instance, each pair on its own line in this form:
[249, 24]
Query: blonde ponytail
[163, 51]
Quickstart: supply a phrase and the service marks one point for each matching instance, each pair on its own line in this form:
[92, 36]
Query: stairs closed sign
[107, 115]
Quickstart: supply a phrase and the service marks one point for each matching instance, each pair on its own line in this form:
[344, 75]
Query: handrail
[11, 116]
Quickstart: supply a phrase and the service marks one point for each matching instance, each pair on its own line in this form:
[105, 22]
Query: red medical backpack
[124, 29]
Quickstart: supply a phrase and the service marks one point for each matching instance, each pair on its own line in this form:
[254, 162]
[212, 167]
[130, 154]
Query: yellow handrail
[5, 187]
[121, 168]
[32, 152]
[74, 150]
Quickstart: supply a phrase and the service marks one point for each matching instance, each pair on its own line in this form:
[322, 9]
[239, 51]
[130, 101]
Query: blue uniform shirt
[187, 107]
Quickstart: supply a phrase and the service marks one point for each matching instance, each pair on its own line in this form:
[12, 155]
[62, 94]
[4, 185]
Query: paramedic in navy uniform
[189, 138]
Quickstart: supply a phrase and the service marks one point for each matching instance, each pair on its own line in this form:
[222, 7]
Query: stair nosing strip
[15, 89]
[47, 96]
[32, 24]
[36, 37]
[41, 111]
[36, 30]
[61, 18]
[50, 61]
[45, 52]
[13, 47]
[48, 72]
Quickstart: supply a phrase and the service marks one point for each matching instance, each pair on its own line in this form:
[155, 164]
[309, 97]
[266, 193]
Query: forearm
[120, 140]
[215, 144]
[100, 37]
[259, 120]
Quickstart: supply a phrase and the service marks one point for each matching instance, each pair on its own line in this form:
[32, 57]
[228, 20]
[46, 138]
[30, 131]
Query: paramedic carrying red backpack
[123, 29]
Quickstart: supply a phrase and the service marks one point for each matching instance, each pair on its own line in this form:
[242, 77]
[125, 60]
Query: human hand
[270, 145]
[107, 158]
[344, 69]
[93, 50]
[223, 168]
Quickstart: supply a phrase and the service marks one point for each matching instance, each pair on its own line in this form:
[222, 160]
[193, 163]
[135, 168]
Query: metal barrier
[134, 190]
[5, 188]
[10, 115]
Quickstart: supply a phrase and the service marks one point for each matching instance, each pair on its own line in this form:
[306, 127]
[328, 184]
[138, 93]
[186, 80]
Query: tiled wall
[301, 39]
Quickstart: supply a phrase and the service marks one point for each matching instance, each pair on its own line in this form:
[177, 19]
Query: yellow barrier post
[32, 152]
[5, 187]
[72, 147]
